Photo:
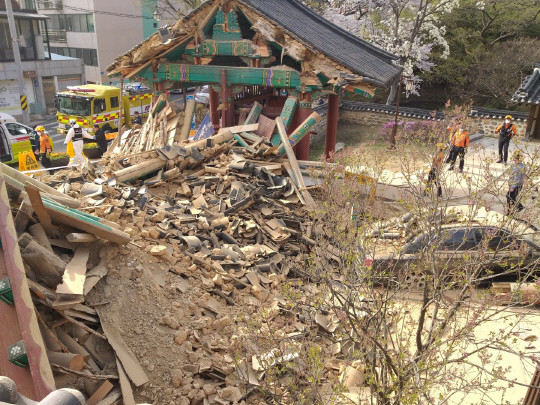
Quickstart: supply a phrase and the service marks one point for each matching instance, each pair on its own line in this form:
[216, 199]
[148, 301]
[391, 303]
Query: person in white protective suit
[76, 134]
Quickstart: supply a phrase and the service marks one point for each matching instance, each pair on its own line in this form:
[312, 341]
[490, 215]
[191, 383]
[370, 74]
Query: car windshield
[454, 239]
[74, 105]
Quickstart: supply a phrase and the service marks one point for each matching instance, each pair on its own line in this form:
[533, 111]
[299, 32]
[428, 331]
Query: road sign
[24, 103]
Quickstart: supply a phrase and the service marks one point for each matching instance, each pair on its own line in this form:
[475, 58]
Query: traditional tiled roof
[419, 113]
[529, 91]
[361, 57]
[350, 53]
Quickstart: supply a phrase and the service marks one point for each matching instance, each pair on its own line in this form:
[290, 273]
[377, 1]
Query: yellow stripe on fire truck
[141, 97]
[107, 117]
[64, 119]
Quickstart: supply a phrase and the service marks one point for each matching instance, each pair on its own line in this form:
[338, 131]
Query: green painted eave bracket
[247, 76]
[212, 47]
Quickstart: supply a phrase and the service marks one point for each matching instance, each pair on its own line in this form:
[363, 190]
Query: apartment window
[72, 22]
[89, 56]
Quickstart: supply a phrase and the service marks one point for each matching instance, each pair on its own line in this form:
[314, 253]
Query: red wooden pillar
[224, 118]
[214, 102]
[331, 125]
[304, 111]
[227, 115]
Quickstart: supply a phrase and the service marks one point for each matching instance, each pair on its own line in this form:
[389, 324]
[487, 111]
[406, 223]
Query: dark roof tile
[529, 91]
[361, 57]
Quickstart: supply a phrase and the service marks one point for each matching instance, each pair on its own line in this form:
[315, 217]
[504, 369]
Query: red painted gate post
[331, 125]
[304, 111]
[214, 102]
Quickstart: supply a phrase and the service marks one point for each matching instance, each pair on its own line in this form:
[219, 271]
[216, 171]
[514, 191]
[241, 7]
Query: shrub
[91, 145]
[58, 156]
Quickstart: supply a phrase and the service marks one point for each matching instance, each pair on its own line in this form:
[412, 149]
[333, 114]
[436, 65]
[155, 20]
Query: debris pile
[206, 232]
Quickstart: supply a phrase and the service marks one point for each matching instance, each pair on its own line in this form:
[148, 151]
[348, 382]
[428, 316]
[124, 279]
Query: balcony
[20, 6]
[49, 4]
[57, 35]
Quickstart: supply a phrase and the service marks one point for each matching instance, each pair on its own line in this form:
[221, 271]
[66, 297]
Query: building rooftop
[363, 58]
[529, 91]
[329, 50]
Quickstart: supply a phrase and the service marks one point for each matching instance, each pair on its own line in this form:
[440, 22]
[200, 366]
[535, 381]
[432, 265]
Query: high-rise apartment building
[96, 31]
[43, 72]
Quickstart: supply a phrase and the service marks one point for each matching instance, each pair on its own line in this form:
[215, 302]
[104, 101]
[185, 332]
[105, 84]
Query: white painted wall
[115, 34]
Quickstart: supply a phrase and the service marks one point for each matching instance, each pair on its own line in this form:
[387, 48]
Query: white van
[18, 136]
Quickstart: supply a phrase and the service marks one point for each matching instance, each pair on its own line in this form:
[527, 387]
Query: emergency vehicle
[15, 138]
[96, 103]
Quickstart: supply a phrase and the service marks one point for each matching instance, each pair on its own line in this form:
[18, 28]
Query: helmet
[76, 126]
[508, 117]
[40, 128]
[72, 122]
[441, 146]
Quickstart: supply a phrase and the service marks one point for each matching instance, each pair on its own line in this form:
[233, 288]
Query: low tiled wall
[475, 124]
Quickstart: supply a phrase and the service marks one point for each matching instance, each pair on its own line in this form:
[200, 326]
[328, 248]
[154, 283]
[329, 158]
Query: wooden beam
[272, 77]
[80, 237]
[75, 273]
[298, 179]
[131, 365]
[23, 216]
[40, 210]
[39, 365]
[24, 180]
[80, 220]
[240, 128]
[300, 132]
[101, 393]
[125, 385]
[188, 119]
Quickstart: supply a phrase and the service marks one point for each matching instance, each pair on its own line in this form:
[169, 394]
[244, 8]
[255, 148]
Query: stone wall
[475, 124]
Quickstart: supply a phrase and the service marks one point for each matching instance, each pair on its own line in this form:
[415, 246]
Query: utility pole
[17, 56]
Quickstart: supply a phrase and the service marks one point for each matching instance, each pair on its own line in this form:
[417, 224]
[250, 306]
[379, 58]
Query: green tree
[490, 42]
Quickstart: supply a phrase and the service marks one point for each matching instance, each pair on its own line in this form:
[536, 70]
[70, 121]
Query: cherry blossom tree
[410, 29]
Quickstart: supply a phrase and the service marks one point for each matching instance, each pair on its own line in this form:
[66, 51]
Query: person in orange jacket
[460, 141]
[506, 131]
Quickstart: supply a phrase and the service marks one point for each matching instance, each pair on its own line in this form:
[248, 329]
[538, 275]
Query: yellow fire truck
[91, 104]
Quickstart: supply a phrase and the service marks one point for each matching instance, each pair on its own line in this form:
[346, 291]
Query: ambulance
[15, 138]
[96, 103]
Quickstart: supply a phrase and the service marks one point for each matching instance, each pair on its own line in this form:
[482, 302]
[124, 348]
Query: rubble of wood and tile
[142, 266]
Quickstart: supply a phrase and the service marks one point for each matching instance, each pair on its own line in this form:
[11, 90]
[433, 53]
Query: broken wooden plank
[38, 232]
[298, 179]
[303, 129]
[253, 115]
[44, 263]
[94, 275]
[139, 170]
[80, 237]
[70, 361]
[23, 216]
[101, 393]
[266, 127]
[80, 220]
[287, 113]
[240, 128]
[188, 119]
[125, 385]
[40, 210]
[132, 366]
[26, 180]
[75, 273]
